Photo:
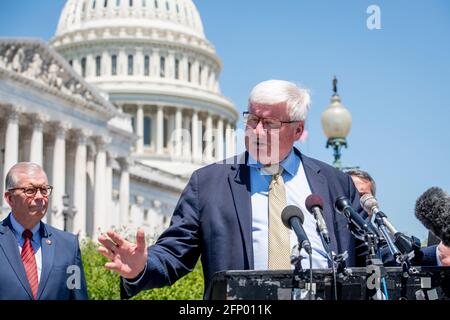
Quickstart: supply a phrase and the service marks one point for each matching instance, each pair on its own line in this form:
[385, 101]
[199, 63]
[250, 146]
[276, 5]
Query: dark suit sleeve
[79, 294]
[178, 248]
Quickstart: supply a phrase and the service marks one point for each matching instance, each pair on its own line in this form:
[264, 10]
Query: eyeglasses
[268, 123]
[31, 191]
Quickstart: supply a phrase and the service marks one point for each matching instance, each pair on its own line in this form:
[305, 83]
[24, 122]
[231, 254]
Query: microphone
[293, 218]
[370, 204]
[342, 205]
[433, 210]
[314, 205]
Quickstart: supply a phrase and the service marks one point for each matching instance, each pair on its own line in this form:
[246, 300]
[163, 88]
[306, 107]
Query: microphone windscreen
[433, 210]
[368, 201]
[313, 200]
[289, 212]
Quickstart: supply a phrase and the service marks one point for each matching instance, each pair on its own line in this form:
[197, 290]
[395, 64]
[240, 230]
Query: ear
[8, 197]
[300, 126]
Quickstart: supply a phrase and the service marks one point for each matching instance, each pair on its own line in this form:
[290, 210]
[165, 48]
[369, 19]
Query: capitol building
[120, 107]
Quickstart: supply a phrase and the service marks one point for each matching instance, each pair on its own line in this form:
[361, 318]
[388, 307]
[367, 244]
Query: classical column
[100, 185]
[59, 174]
[79, 184]
[186, 139]
[194, 135]
[108, 218]
[140, 129]
[160, 130]
[209, 138]
[11, 141]
[90, 190]
[124, 191]
[228, 138]
[37, 139]
[178, 132]
[219, 140]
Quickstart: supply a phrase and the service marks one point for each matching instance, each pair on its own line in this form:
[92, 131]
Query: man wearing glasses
[230, 212]
[37, 261]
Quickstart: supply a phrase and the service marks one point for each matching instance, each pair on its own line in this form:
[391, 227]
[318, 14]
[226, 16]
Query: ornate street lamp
[68, 211]
[336, 122]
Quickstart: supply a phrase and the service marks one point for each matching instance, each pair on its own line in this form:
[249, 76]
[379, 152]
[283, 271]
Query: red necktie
[29, 262]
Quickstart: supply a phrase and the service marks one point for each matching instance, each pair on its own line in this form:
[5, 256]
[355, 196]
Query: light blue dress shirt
[297, 190]
[35, 241]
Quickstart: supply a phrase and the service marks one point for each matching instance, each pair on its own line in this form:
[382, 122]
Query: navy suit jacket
[213, 219]
[59, 251]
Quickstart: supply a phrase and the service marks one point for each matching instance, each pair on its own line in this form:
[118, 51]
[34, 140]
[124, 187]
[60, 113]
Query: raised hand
[128, 259]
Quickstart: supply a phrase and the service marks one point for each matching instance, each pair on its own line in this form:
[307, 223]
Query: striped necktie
[29, 262]
[279, 240]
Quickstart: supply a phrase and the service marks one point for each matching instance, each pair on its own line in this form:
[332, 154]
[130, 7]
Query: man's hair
[28, 167]
[271, 92]
[365, 176]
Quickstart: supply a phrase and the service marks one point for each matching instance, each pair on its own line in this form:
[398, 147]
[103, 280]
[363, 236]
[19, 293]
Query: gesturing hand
[128, 259]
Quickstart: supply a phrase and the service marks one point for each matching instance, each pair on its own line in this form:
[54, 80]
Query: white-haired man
[37, 262]
[229, 213]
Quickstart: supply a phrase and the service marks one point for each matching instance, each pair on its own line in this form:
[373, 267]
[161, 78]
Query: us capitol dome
[151, 59]
[119, 108]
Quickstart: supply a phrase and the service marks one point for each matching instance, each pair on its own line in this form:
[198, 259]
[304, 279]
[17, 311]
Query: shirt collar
[290, 164]
[18, 228]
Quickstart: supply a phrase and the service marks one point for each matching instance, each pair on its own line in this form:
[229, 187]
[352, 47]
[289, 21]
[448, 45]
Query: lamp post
[336, 122]
[68, 210]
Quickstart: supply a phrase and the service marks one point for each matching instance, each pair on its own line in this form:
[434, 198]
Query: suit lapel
[239, 180]
[48, 253]
[319, 185]
[8, 243]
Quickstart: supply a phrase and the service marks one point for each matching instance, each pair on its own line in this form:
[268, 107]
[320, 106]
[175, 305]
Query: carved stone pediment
[34, 60]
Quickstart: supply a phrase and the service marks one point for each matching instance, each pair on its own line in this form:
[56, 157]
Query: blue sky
[395, 81]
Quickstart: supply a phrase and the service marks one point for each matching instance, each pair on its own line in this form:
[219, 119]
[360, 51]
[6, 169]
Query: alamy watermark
[373, 21]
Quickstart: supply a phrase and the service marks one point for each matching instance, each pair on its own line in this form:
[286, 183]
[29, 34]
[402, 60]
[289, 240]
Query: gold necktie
[279, 242]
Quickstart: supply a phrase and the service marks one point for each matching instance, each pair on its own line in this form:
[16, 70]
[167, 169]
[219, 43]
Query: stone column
[140, 129]
[59, 174]
[186, 139]
[37, 139]
[109, 209]
[228, 137]
[100, 185]
[90, 190]
[11, 141]
[195, 136]
[79, 185]
[160, 130]
[209, 146]
[219, 140]
[124, 191]
[179, 132]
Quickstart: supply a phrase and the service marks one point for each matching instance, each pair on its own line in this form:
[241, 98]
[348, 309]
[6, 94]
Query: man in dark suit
[37, 262]
[225, 212]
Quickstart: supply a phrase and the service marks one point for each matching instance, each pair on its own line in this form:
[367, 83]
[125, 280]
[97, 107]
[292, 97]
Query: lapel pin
[48, 241]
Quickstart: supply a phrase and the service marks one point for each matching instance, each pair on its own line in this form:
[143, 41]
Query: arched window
[117, 3]
[147, 130]
[105, 4]
[177, 69]
[130, 65]
[144, 3]
[93, 4]
[83, 67]
[98, 66]
[146, 65]
[114, 65]
[189, 72]
[131, 3]
[156, 4]
[167, 6]
[200, 70]
[162, 67]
